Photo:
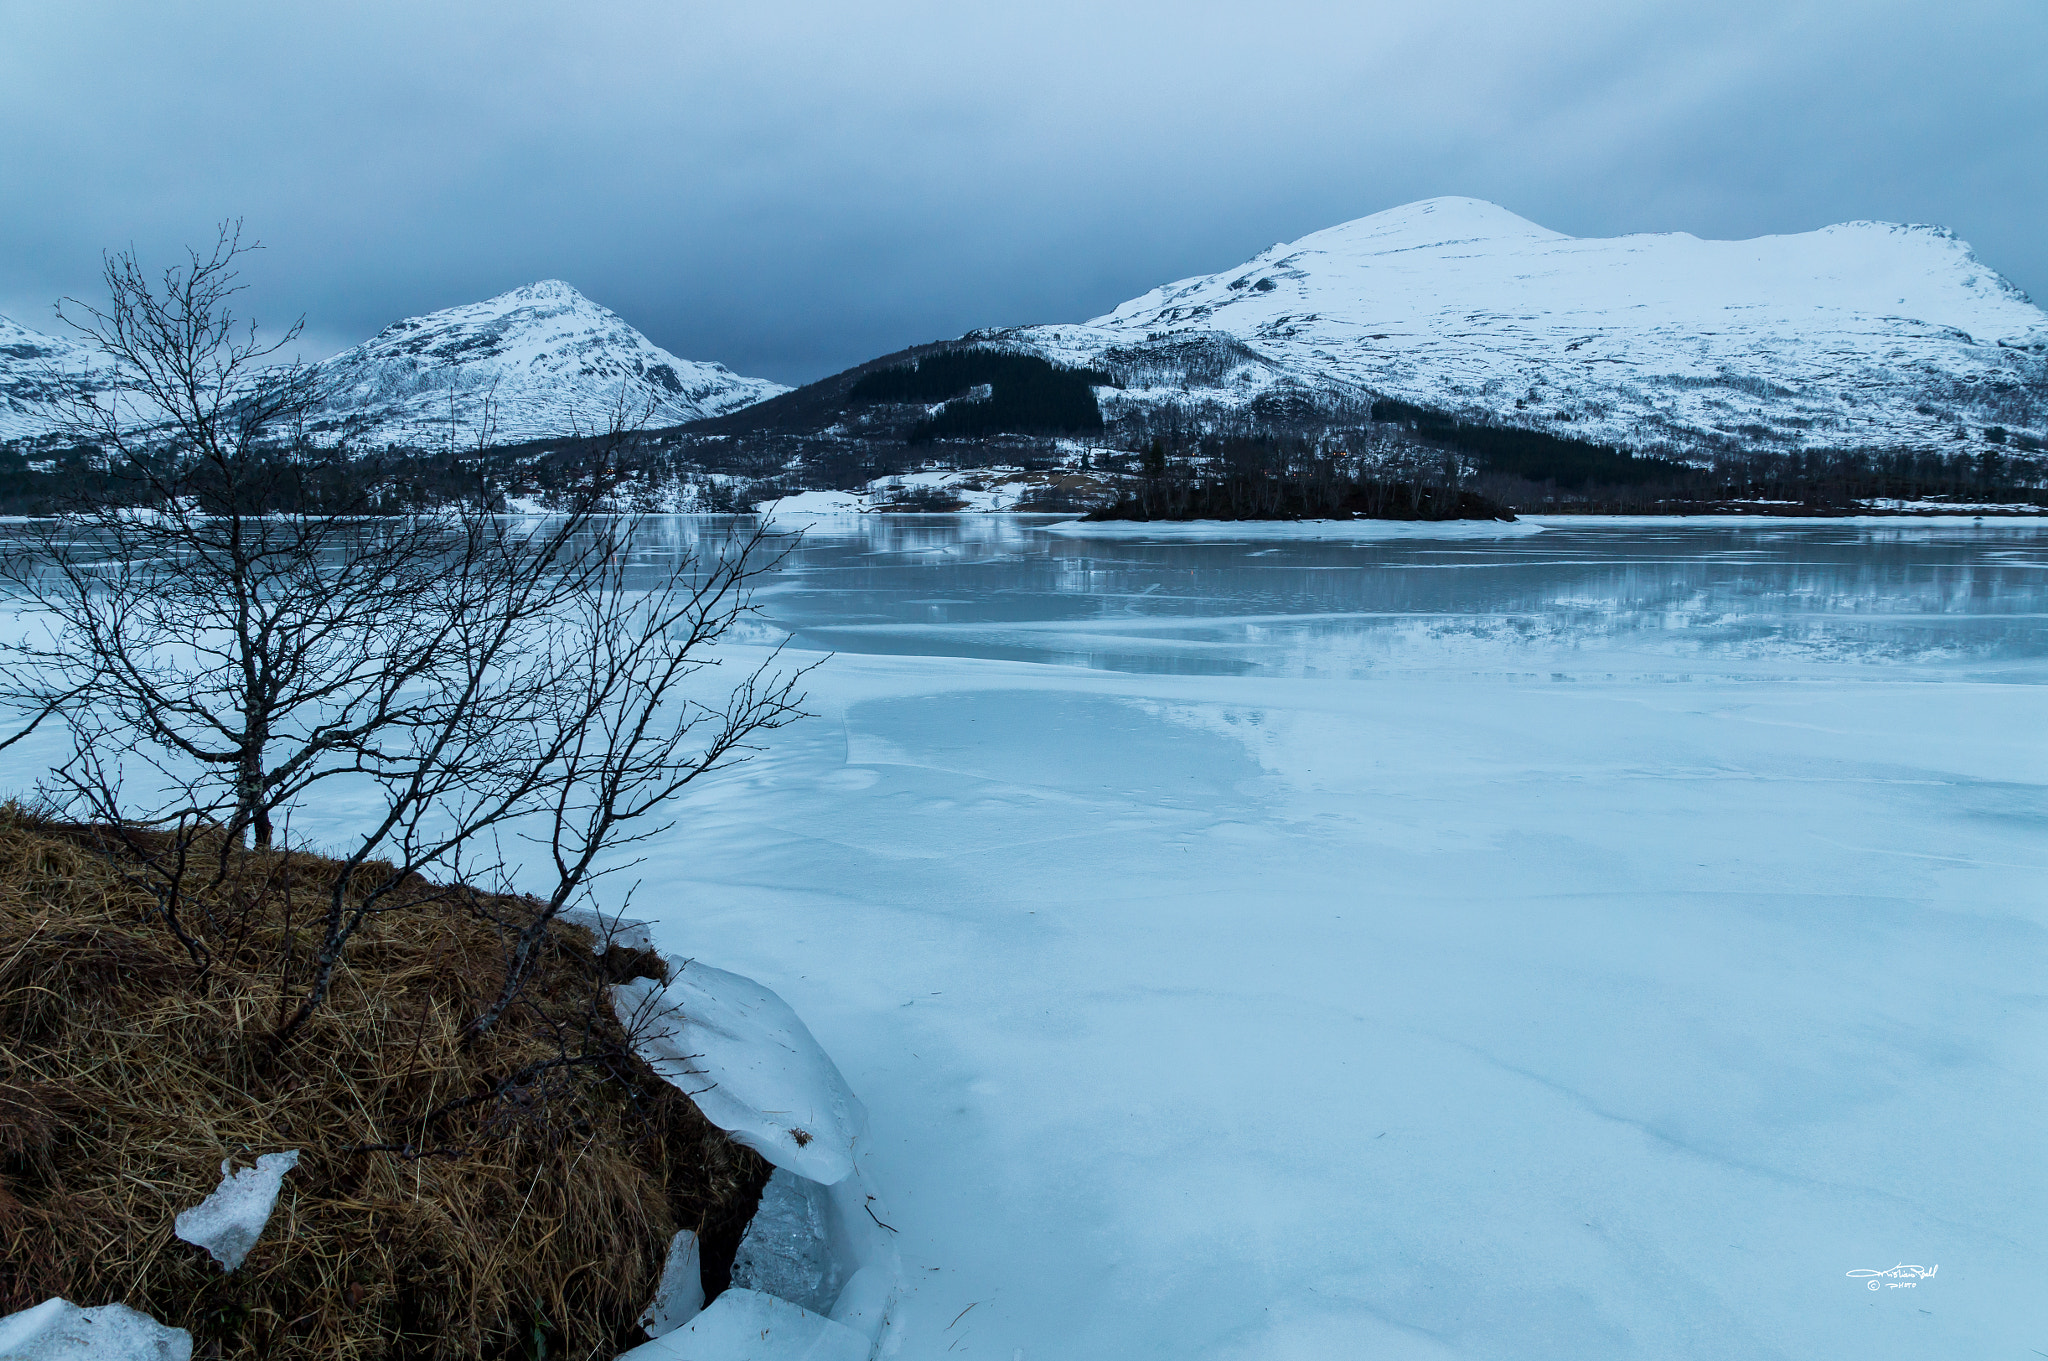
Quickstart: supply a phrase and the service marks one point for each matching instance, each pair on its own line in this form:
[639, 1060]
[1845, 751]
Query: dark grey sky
[790, 188]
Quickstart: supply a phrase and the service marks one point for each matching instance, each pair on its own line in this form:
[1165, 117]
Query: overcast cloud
[792, 188]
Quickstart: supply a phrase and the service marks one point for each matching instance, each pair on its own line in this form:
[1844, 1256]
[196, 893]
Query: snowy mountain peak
[1862, 334]
[522, 307]
[536, 362]
[543, 290]
[1432, 221]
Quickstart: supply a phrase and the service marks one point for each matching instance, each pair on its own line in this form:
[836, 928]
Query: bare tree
[231, 631]
[223, 604]
[635, 737]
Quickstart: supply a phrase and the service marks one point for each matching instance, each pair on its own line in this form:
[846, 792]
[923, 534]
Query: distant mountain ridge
[1863, 334]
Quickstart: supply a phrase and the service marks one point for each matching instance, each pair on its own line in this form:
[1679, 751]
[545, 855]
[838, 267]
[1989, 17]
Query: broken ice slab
[58, 1330]
[756, 1072]
[863, 1303]
[679, 1296]
[607, 930]
[228, 1222]
[787, 1249]
[750, 1065]
[747, 1325]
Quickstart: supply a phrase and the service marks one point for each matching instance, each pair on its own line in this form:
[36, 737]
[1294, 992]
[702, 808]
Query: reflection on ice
[1628, 599]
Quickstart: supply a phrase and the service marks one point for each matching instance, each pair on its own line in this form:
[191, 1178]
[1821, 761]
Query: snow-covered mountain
[544, 360]
[1866, 334]
[541, 361]
[37, 371]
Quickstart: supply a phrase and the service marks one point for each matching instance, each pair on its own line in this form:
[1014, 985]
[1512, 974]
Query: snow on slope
[36, 371]
[546, 360]
[1865, 333]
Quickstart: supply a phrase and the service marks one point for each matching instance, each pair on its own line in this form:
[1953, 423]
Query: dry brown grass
[536, 1225]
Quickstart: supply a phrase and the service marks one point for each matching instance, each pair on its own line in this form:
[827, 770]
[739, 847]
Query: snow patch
[39, 374]
[539, 362]
[813, 503]
[993, 489]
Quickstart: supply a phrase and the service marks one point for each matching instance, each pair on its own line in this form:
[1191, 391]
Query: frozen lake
[1591, 944]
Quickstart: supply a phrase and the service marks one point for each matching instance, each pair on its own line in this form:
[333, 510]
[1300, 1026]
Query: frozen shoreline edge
[749, 1063]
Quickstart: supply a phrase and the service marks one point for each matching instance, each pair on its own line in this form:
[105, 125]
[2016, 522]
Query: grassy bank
[504, 1195]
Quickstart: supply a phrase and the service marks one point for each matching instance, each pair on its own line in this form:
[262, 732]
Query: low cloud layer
[791, 188]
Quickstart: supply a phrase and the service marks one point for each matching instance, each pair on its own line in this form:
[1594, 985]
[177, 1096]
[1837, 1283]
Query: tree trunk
[250, 811]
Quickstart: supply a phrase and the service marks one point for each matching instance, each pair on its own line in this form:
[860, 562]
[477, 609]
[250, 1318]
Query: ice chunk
[679, 1296]
[865, 1248]
[58, 1330]
[749, 1064]
[746, 1325]
[228, 1222]
[787, 1249]
[863, 1303]
[608, 930]
[757, 1073]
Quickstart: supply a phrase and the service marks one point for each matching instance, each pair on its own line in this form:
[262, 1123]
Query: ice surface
[755, 1071]
[228, 1222]
[746, 1325]
[679, 1295]
[863, 1246]
[1593, 944]
[749, 1063]
[826, 1248]
[864, 1301]
[787, 1250]
[58, 1330]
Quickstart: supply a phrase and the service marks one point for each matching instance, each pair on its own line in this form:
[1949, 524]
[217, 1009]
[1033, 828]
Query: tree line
[1026, 394]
